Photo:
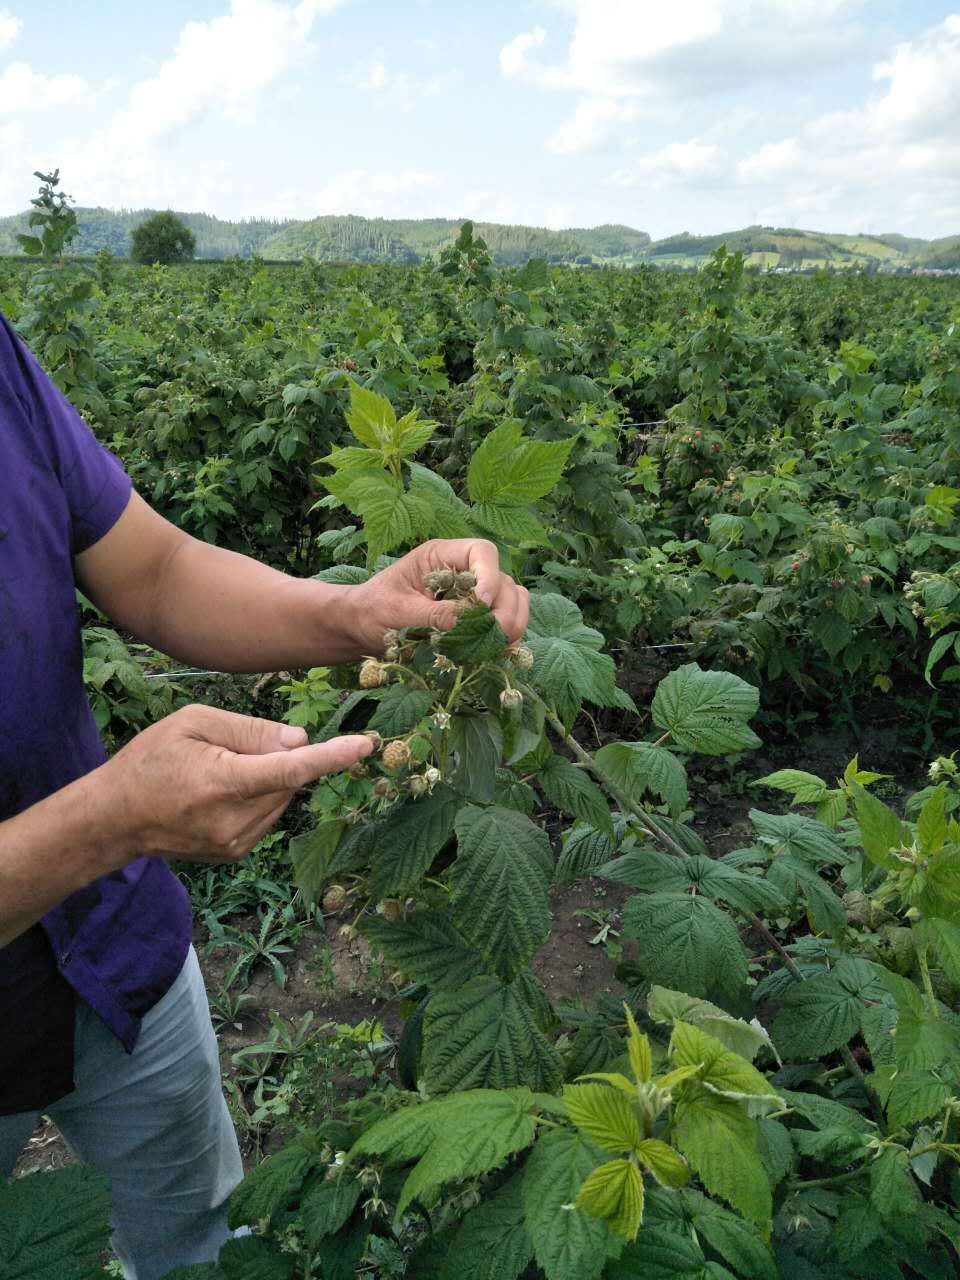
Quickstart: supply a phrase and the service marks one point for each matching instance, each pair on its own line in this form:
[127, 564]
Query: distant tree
[162, 238]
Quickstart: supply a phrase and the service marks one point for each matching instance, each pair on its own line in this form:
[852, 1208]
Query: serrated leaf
[717, 1066]
[638, 1049]
[640, 767]
[568, 1244]
[477, 637]
[776, 1149]
[659, 1254]
[313, 855]
[858, 1227]
[688, 941]
[460, 1136]
[720, 1142]
[797, 834]
[614, 1192]
[267, 1188]
[822, 1013]
[486, 1035]
[738, 1242]
[370, 417]
[932, 821]
[54, 1225]
[448, 515]
[410, 837]
[491, 1242]
[938, 649]
[880, 829]
[254, 1258]
[605, 1115]
[568, 665]
[509, 522]
[573, 793]
[508, 466]
[743, 1038]
[824, 1113]
[915, 1096]
[892, 1188]
[500, 881]
[391, 514]
[805, 788]
[944, 937]
[584, 850]
[400, 709]
[663, 1162]
[476, 742]
[327, 1206]
[706, 711]
[427, 947]
[793, 877]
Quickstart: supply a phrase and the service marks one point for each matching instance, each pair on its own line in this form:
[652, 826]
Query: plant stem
[837, 1180]
[925, 974]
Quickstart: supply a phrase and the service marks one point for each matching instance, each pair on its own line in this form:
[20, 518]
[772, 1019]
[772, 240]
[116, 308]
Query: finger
[256, 830]
[515, 612]
[244, 735]
[290, 770]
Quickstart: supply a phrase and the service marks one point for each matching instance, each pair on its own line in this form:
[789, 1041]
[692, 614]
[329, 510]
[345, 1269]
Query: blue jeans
[155, 1122]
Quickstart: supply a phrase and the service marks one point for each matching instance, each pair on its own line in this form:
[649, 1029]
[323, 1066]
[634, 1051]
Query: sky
[698, 115]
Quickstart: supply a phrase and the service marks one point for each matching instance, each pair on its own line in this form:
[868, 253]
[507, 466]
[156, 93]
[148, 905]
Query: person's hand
[396, 597]
[205, 785]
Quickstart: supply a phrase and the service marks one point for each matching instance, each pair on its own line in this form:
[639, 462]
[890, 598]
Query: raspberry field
[636, 950]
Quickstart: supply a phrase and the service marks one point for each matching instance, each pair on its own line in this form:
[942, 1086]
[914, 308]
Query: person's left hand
[396, 597]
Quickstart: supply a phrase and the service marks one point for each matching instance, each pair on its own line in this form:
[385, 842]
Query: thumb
[260, 775]
[244, 735]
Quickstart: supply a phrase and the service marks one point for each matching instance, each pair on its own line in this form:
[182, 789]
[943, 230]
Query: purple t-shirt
[119, 943]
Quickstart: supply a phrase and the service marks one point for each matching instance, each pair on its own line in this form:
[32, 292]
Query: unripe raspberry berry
[418, 785]
[439, 581]
[521, 656]
[372, 674]
[335, 898]
[392, 909]
[384, 788]
[346, 933]
[392, 653]
[511, 698]
[358, 770]
[465, 580]
[396, 755]
[374, 738]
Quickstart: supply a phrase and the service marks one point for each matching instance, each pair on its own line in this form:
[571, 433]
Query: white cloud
[10, 26]
[398, 89]
[23, 89]
[694, 163]
[589, 125]
[372, 194]
[900, 150]
[220, 64]
[623, 50]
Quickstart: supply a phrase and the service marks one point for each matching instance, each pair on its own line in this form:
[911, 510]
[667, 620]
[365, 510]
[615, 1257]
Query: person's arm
[211, 607]
[203, 785]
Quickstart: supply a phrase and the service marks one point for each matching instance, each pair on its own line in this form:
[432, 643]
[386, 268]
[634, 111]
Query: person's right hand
[205, 785]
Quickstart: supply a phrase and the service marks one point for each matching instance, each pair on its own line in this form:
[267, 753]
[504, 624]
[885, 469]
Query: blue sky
[703, 115]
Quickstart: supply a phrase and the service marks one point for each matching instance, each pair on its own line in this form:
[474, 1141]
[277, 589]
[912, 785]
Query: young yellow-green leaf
[370, 417]
[508, 466]
[676, 1077]
[669, 1169]
[720, 1141]
[615, 1078]
[719, 1067]
[614, 1192]
[932, 822]
[603, 1114]
[638, 1047]
[745, 1038]
[881, 831]
[805, 788]
[412, 433]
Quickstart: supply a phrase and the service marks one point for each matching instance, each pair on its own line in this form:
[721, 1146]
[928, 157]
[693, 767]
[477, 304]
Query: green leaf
[687, 941]
[509, 522]
[486, 1035]
[706, 711]
[313, 855]
[400, 709]
[460, 1136]
[932, 822]
[500, 881]
[568, 1244]
[915, 1096]
[832, 630]
[737, 1242]
[568, 666]
[797, 834]
[892, 1189]
[584, 850]
[776, 1149]
[507, 466]
[944, 937]
[371, 417]
[651, 870]
[720, 1142]
[806, 788]
[939, 648]
[428, 948]
[743, 1038]
[477, 637]
[54, 1225]
[490, 1242]
[821, 1014]
[476, 742]
[572, 792]
[326, 1206]
[881, 831]
[663, 1162]
[605, 1115]
[792, 876]
[254, 1258]
[268, 1187]
[446, 515]
[31, 245]
[718, 1067]
[858, 1227]
[824, 1113]
[410, 837]
[614, 1192]
[659, 1254]
[640, 767]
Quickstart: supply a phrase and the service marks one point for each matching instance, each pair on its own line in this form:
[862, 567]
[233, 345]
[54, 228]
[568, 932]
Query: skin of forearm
[215, 608]
[54, 848]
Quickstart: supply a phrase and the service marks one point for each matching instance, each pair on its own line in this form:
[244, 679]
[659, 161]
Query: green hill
[350, 238]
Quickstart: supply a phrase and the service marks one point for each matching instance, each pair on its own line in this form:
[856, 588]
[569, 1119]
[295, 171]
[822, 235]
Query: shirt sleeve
[96, 487]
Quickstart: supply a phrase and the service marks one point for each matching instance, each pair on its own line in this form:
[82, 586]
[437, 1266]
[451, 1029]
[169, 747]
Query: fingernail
[291, 736]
